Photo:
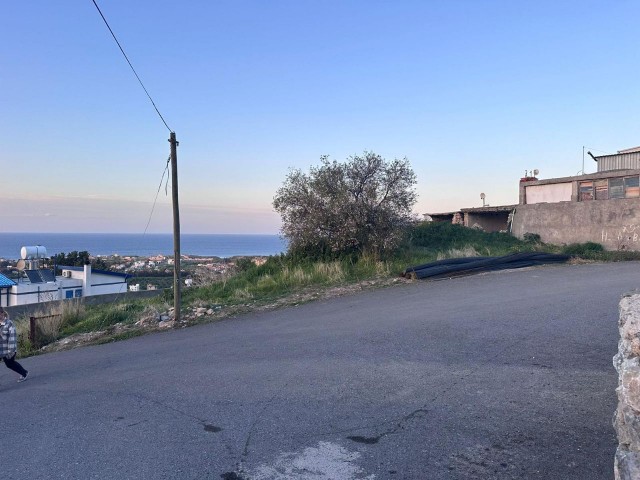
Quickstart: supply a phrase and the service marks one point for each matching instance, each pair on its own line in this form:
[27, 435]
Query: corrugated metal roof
[6, 282]
[621, 161]
[630, 150]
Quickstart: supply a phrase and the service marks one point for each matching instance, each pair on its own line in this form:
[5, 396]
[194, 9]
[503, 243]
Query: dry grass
[150, 314]
[50, 319]
[296, 276]
[242, 294]
[332, 272]
[458, 253]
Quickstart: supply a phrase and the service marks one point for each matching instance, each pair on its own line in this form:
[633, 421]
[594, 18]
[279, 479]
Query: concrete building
[488, 219]
[74, 282]
[602, 207]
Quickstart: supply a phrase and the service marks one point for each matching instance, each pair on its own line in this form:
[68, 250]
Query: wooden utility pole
[176, 226]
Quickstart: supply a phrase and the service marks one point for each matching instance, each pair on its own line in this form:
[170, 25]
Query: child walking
[9, 345]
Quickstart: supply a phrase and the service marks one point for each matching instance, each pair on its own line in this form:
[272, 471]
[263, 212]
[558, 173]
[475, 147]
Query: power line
[166, 169]
[133, 69]
[596, 150]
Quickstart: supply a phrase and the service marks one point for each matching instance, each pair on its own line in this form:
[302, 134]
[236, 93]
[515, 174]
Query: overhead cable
[166, 169]
[133, 69]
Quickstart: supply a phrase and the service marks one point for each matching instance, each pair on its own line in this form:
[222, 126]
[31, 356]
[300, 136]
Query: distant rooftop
[630, 150]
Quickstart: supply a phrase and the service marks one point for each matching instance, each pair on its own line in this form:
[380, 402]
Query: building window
[68, 294]
[602, 189]
[586, 191]
[616, 188]
[631, 187]
[78, 293]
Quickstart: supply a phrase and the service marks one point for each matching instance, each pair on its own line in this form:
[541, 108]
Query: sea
[144, 245]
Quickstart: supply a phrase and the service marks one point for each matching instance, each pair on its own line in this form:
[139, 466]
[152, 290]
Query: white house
[75, 282]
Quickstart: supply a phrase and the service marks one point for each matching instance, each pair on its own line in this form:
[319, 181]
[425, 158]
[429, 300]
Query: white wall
[27, 293]
[105, 284]
[551, 193]
[24, 293]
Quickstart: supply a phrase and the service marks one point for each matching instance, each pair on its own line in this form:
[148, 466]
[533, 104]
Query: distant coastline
[128, 244]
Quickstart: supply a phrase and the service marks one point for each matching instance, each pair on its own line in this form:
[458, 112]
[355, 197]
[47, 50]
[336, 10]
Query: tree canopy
[360, 205]
[77, 259]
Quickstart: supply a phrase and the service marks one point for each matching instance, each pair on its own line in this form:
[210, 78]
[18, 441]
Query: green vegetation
[360, 205]
[284, 276]
[101, 317]
[77, 259]
[442, 237]
[69, 318]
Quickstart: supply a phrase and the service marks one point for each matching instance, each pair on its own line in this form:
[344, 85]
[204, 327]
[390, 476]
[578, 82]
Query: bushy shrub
[360, 205]
[531, 238]
[244, 263]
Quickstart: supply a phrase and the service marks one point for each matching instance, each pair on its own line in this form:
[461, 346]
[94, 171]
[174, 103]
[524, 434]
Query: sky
[473, 93]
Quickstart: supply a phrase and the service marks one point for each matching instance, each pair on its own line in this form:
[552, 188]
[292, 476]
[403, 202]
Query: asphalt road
[498, 376]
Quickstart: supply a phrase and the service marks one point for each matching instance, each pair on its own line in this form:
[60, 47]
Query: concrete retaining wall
[613, 223]
[627, 418]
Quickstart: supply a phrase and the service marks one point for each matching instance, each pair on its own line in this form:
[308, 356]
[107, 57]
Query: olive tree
[360, 205]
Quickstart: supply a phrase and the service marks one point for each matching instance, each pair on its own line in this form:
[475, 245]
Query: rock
[201, 310]
[627, 423]
[146, 321]
[627, 465]
[629, 326]
[210, 311]
[627, 417]
[167, 324]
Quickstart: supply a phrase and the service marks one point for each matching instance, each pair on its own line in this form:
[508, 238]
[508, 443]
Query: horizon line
[131, 233]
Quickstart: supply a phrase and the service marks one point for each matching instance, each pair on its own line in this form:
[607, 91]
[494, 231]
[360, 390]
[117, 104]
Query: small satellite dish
[536, 172]
[21, 265]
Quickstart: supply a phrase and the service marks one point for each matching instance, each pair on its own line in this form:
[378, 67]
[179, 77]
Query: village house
[42, 285]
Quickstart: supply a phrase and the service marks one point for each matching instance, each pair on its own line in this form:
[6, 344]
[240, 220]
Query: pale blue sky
[473, 93]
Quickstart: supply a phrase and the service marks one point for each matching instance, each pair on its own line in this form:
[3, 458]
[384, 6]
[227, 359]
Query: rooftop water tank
[29, 253]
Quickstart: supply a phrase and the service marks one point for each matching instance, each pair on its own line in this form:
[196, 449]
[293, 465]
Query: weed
[583, 249]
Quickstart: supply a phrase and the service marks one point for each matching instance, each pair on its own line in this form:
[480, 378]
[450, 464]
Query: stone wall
[613, 223]
[627, 417]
